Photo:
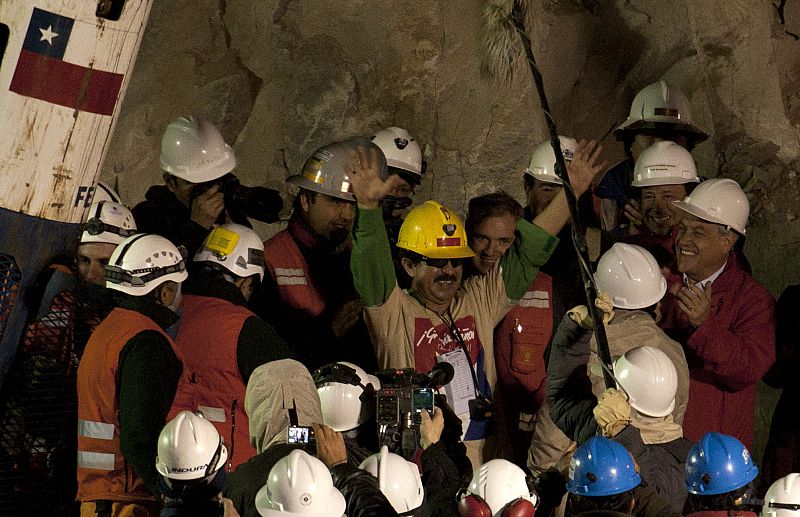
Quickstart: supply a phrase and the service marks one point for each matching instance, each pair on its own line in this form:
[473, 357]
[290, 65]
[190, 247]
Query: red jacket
[727, 354]
[662, 247]
[297, 290]
[520, 341]
[211, 383]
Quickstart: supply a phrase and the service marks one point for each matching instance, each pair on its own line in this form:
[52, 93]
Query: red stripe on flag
[66, 84]
[449, 241]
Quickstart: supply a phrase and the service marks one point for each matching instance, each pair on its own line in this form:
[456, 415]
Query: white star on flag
[48, 34]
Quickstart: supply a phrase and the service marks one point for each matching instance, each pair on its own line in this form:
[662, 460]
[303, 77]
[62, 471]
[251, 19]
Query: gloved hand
[612, 412]
[580, 315]
[605, 306]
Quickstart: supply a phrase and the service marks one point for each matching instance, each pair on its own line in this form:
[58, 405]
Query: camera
[300, 434]
[259, 203]
[404, 394]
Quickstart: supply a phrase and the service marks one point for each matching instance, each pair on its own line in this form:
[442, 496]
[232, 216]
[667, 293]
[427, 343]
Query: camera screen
[423, 399]
[300, 434]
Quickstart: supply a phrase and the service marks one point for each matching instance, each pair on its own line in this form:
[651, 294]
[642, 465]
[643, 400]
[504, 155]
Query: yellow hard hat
[433, 231]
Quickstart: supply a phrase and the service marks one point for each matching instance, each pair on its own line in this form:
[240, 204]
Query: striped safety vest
[103, 474]
[211, 383]
[289, 270]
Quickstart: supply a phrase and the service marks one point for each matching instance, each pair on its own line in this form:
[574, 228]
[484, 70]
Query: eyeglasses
[440, 263]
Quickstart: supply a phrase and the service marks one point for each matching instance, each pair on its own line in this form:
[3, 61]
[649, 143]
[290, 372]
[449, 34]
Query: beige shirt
[408, 335]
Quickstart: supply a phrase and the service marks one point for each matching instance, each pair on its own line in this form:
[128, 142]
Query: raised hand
[584, 167]
[364, 170]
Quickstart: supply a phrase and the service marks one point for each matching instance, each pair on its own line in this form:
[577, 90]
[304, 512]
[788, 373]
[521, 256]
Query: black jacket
[441, 480]
[569, 393]
[162, 213]
[360, 490]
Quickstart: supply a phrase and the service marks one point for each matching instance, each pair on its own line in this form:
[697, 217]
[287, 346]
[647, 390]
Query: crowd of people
[373, 359]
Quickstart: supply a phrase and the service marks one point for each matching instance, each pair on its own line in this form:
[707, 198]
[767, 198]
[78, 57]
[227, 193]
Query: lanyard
[451, 326]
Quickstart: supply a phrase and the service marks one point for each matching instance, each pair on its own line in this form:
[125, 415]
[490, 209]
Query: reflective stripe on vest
[538, 299]
[212, 414]
[99, 430]
[299, 297]
[96, 460]
[290, 276]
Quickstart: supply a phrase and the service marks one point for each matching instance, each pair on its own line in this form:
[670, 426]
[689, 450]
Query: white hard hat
[341, 388]
[649, 378]
[193, 149]
[498, 482]
[235, 248]
[108, 222]
[631, 276]
[189, 447]
[783, 497]
[543, 160]
[401, 151]
[718, 200]
[664, 163]
[142, 262]
[660, 104]
[398, 479]
[300, 484]
[324, 171]
[104, 192]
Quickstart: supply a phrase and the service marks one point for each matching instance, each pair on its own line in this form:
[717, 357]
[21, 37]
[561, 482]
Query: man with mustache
[723, 317]
[439, 318]
[307, 292]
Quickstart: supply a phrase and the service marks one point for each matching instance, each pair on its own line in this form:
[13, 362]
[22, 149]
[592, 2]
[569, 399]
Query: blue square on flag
[48, 34]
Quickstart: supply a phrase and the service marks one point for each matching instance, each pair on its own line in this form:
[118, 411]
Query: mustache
[445, 278]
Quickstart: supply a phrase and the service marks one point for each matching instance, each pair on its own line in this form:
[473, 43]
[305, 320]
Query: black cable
[578, 231]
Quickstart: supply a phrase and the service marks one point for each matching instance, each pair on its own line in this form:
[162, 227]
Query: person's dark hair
[617, 502]
[663, 131]
[496, 204]
[528, 182]
[740, 499]
[638, 191]
[312, 197]
[413, 256]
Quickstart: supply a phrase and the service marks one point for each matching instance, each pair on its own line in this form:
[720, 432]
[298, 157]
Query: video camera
[404, 394]
[259, 203]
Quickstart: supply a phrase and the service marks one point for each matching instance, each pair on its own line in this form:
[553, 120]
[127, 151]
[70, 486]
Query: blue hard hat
[601, 467]
[717, 464]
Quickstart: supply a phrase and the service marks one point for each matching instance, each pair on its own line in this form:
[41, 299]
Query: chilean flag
[42, 72]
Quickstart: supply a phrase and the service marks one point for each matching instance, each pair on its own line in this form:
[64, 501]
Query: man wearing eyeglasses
[439, 318]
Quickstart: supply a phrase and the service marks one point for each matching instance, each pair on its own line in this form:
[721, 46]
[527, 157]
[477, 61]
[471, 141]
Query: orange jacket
[103, 473]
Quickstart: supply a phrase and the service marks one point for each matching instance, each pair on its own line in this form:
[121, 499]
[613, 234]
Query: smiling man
[664, 172]
[723, 317]
[440, 318]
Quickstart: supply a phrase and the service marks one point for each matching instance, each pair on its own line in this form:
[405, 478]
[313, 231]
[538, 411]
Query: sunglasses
[442, 262]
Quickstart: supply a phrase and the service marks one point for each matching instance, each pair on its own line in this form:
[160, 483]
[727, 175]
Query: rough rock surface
[283, 77]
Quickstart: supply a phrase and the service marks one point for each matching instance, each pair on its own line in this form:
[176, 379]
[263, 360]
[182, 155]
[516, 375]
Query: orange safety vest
[289, 270]
[521, 338]
[211, 383]
[102, 471]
